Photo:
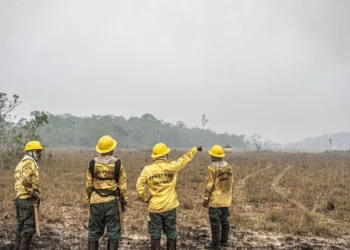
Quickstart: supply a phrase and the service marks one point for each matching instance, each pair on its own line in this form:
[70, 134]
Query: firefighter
[160, 177]
[218, 197]
[27, 192]
[106, 186]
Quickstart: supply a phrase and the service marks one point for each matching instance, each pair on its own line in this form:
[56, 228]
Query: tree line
[143, 132]
[66, 130]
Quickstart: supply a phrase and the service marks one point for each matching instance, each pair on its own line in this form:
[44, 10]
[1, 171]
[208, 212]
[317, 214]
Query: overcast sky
[279, 68]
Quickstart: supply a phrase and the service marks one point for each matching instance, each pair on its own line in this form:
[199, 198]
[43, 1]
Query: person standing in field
[218, 197]
[27, 193]
[106, 186]
[160, 177]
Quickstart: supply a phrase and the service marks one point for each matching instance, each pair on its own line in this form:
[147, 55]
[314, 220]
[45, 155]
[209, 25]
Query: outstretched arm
[186, 158]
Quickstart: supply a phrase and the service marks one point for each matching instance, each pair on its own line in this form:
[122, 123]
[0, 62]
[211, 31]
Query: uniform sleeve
[88, 184]
[30, 177]
[185, 159]
[123, 184]
[209, 182]
[141, 186]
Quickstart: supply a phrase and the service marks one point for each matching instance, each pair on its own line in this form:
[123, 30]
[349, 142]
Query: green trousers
[165, 221]
[219, 220]
[25, 225]
[104, 215]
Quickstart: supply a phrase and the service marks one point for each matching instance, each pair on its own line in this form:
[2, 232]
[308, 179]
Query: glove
[124, 208]
[205, 203]
[35, 194]
[199, 148]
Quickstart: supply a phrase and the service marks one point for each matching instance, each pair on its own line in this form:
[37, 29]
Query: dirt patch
[189, 238]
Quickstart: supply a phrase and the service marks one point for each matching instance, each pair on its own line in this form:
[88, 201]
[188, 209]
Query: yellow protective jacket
[219, 184]
[104, 180]
[26, 178]
[160, 177]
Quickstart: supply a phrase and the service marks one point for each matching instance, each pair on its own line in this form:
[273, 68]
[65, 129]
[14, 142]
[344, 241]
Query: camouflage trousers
[165, 221]
[103, 215]
[25, 225]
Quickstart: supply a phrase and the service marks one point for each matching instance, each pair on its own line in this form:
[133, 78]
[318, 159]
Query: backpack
[102, 192]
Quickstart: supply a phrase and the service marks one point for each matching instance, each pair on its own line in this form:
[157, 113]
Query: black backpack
[103, 192]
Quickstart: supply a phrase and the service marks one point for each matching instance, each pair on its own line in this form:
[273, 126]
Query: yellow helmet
[217, 151]
[105, 144]
[33, 145]
[159, 150]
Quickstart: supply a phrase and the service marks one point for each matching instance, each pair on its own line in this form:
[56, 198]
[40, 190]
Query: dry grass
[302, 194]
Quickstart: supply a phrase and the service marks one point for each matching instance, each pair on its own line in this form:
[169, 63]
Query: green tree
[14, 135]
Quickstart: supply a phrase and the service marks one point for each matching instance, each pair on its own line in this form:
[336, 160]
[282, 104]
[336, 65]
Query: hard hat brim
[101, 151]
[32, 149]
[160, 155]
[216, 155]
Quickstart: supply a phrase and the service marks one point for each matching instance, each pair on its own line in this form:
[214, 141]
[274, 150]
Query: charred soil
[280, 201]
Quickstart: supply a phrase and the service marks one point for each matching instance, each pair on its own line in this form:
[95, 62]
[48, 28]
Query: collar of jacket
[160, 159]
[105, 159]
[26, 157]
[220, 164]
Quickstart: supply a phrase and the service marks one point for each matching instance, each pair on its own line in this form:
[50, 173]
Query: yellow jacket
[105, 168]
[26, 178]
[219, 184]
[160, 177]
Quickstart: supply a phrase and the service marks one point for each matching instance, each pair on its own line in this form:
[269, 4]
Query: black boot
[155, 244]
[17, 242]
[93, 245]
[213, 246]
[112, 245]
[215, 239]
[224, 235]
[171, 244]
[25, 242]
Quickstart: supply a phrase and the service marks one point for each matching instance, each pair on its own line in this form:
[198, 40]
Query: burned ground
[281, 201]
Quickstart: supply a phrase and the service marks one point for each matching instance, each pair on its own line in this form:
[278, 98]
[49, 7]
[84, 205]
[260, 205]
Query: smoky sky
[279, 68]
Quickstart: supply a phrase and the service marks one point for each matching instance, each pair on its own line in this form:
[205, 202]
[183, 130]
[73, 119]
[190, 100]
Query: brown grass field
[281, 201]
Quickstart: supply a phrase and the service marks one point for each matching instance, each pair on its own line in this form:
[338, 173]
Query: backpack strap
[117, 170]
[102, 193]
[117, 165]
[92, 169]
